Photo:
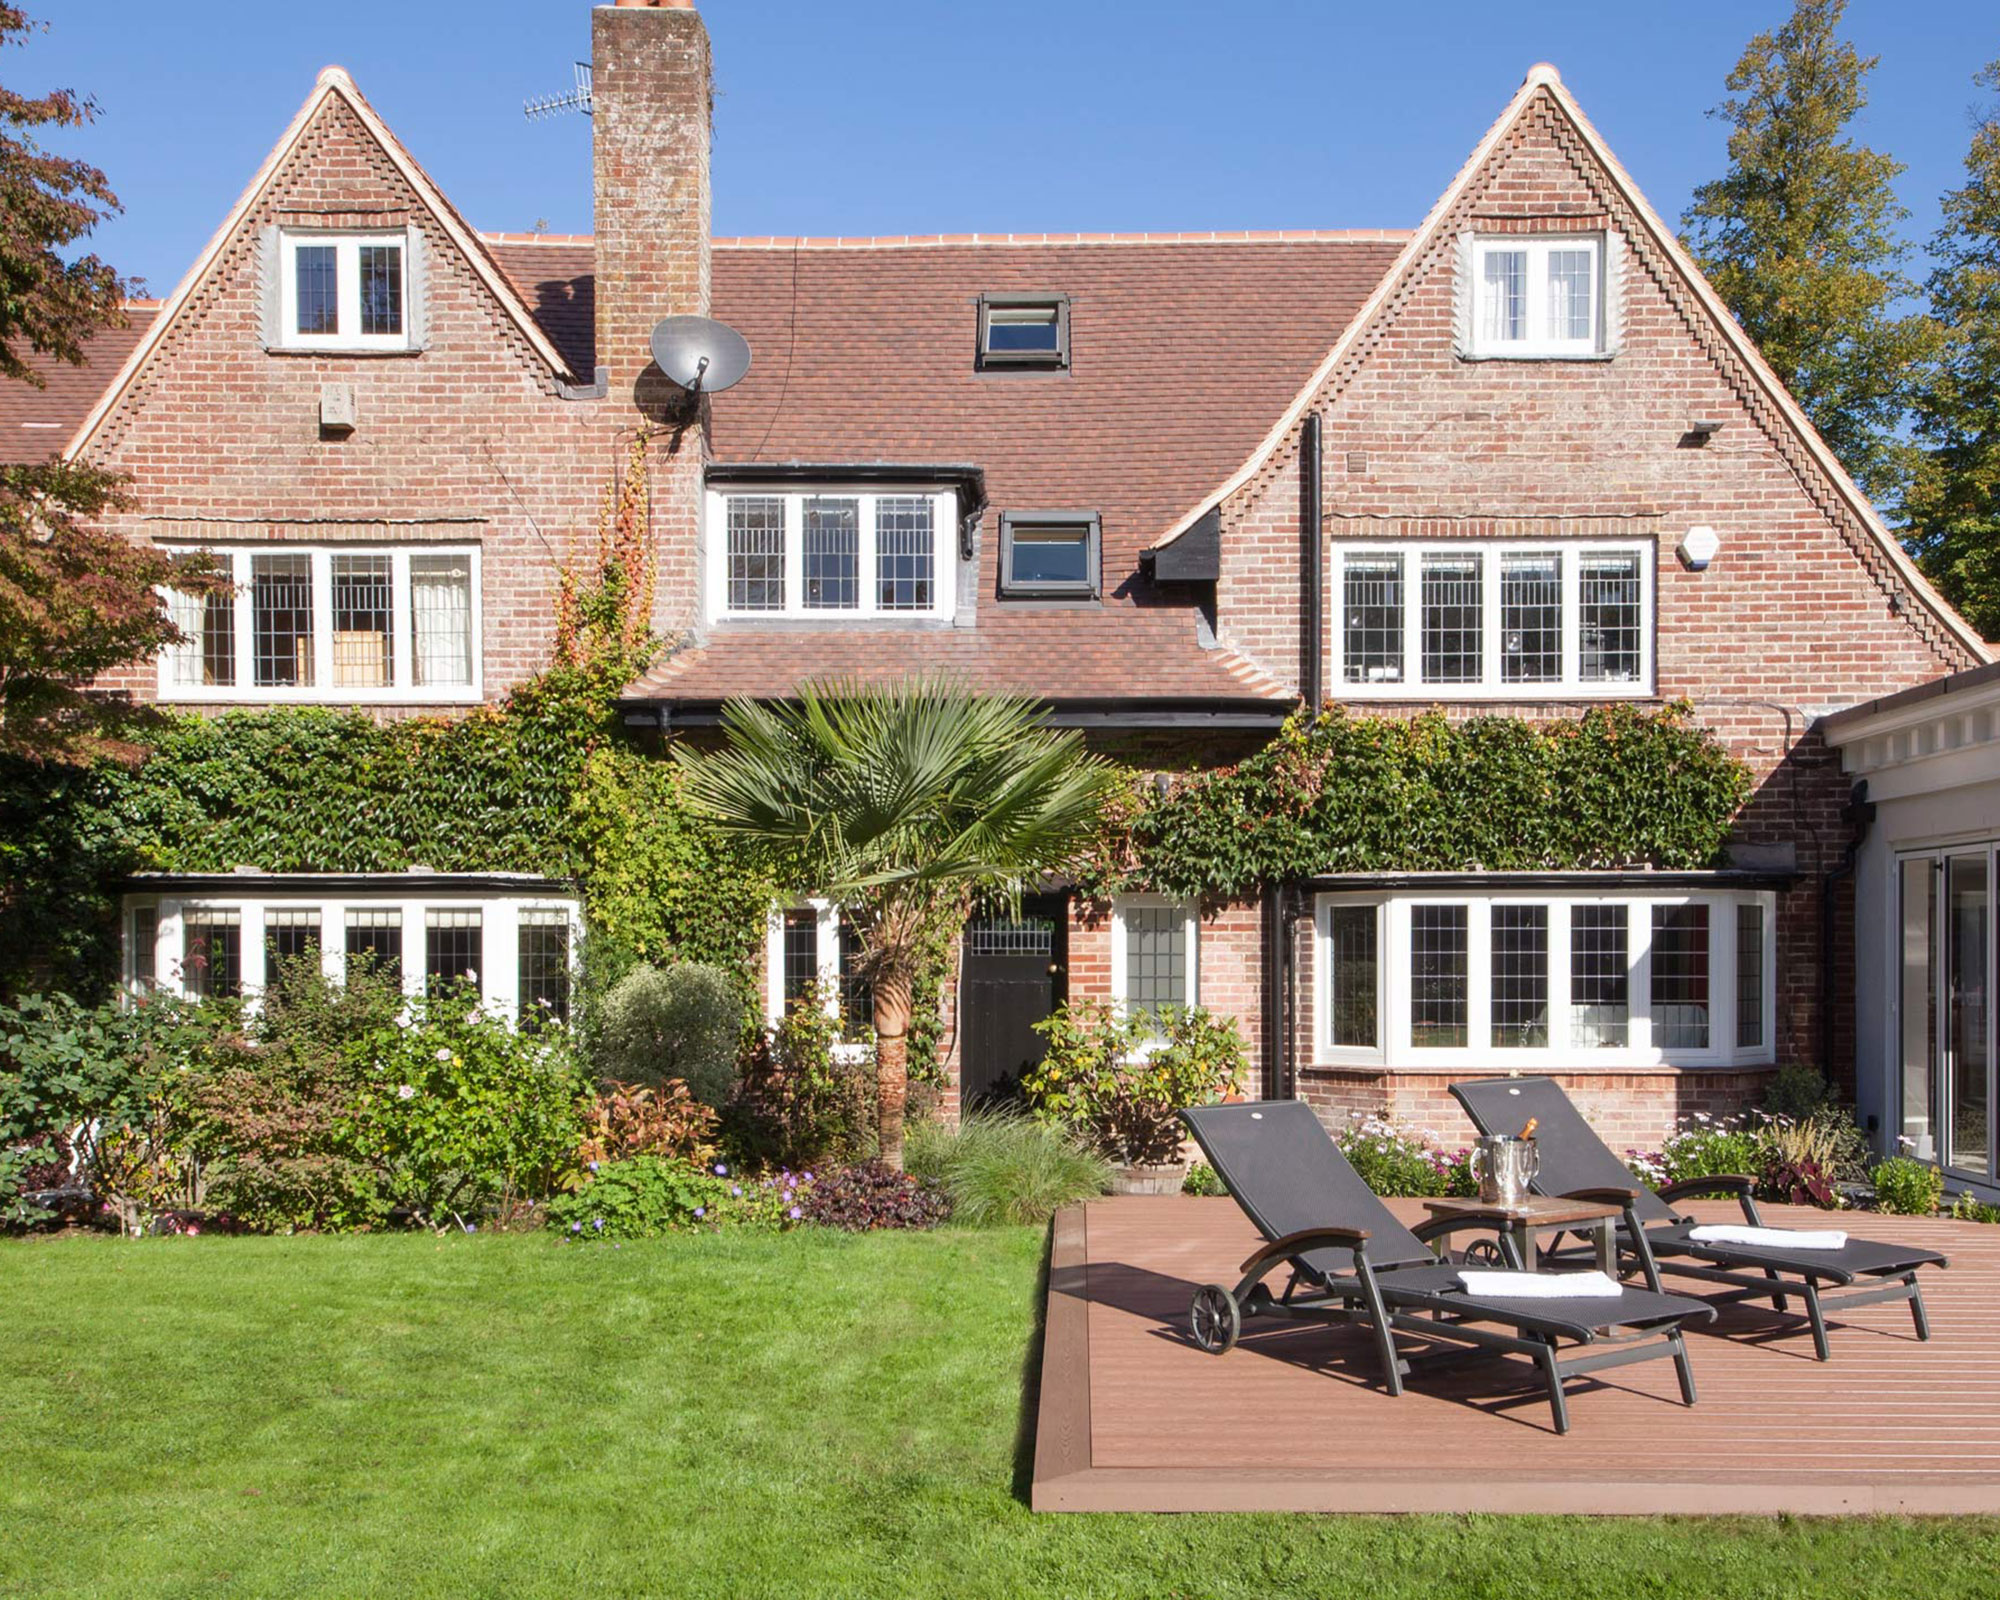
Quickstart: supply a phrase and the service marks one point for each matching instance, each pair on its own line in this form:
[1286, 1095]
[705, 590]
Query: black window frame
[1086, 523]
[1056, 360]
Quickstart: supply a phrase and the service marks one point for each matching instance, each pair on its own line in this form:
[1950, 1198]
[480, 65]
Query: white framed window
[336, 624]
[1155, 955]
[1538, 296]
[1516, 621]
[813, 956]
[343, 291]
[1540, 978]
[518, 950]
[832, 553]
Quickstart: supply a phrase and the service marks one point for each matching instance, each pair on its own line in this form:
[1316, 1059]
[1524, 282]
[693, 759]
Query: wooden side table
[1519, 1225]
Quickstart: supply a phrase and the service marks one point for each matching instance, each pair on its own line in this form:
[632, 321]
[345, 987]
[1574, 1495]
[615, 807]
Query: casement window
[1544, 978]
[1498, 621]
[1537, 296]
[331, 624]
[518, 951]
[813, 957]
[344, 291]
[1020, 331]
[1155, 955]
[832, 555]
[1050, 555]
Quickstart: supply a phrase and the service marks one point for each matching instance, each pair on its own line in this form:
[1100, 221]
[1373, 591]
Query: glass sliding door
[1917, 1007]
[1967, 1036]
[1945, 1008]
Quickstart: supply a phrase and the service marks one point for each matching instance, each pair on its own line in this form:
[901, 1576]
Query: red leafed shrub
[871, 1195]
[1800, 1182]
[633, 1119]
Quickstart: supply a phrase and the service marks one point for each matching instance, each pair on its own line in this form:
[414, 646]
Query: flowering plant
[1393, 1162]
[645, 1196]
[1125, 1079]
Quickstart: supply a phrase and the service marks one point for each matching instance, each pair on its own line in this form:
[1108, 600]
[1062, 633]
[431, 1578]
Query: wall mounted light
[1704, 428]
[1698, 547]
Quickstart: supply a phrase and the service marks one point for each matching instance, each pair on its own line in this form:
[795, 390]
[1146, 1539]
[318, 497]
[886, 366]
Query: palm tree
[904, 805]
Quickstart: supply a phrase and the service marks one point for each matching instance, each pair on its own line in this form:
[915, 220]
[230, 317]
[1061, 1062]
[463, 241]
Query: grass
[1002, 1168]
[795, 1416]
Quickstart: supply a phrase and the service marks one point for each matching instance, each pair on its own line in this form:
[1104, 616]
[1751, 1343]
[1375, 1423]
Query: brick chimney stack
[652, 96]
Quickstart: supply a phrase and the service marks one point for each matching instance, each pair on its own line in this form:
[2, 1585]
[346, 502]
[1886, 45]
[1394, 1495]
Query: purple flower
[737, 1190]
[701, 1211]
[793, 1213]
[809, 1177]
[720, 1170]
[576, 1227]
[598, 1225]
[592, 1165]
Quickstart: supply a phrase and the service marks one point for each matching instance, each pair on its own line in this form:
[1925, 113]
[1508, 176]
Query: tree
[906, 805]
[1798, 238]
[1952, 507]
[75, 599]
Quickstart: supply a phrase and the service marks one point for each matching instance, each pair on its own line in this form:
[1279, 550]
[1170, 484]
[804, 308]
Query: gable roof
[333, 82]
[1543, 79]
[36, 423]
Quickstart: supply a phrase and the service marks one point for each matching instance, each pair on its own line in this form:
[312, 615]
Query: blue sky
[850, 116]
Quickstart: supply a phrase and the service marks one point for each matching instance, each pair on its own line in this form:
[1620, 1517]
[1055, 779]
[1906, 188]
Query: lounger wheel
[1214, 1318]
[1485, 1253]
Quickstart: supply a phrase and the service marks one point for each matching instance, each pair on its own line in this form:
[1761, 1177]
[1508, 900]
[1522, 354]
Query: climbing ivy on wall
[1346, 793]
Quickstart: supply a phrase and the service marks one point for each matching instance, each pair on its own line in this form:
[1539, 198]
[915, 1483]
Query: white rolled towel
[1769, 1238]
[1540, 1285]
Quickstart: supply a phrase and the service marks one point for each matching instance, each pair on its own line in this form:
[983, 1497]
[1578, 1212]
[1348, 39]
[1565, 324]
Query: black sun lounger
[1576, 1164]
[1351, 1261]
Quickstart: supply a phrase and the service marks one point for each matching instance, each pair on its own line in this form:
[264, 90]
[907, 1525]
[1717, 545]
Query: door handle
[1054, 968]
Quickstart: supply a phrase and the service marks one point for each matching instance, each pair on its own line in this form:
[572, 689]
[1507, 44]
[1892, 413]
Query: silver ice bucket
[1504, 1167]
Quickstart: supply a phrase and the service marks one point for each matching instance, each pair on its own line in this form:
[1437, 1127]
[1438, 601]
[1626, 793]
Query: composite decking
[1132, 1417]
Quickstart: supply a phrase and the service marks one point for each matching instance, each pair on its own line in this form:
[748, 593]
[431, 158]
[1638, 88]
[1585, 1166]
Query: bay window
[1493, 621]
[330, 624]
[833, 554]
[1542, 977]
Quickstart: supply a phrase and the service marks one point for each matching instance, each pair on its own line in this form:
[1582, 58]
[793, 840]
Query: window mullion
[1412, 587]
[1639, 930]
[1395, 962]
[347, 288]
[403, 621]
[795, 544]
[1571, 571]
[322, 620]
[242, 616]
[1479, 975]
[864, 552]
[1490, 639]
[1558, 974]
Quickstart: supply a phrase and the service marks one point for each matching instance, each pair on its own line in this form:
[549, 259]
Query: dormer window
[1024, 330]
[344, 291]
[1537, 296]
[832, 554]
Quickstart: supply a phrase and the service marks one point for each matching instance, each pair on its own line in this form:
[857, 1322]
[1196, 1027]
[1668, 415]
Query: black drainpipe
[1275, 1042]
[1312, 564]
[1858, 814]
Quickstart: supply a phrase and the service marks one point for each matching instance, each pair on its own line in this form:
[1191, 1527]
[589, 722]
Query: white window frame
[402, 689]
[1538, 344]
[1571, 685]
[347, 248]
[944, 553]
[1190, 931]
[1479, 1053]
[826, 946]
[500, 924]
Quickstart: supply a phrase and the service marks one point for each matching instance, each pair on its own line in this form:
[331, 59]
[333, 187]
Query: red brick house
[1519, 459]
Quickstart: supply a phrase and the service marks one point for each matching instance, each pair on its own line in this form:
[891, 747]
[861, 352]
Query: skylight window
[1024, 330]
[1049, 555]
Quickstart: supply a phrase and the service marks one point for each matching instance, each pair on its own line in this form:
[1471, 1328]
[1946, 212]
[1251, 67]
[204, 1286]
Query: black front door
[1014, 976]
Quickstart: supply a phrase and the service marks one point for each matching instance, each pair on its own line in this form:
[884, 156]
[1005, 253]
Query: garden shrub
[459, 1112]
[1799, 1093]
[801, 1100]
[645, 1196]
[102, 1088]
[1969, 1208]
[270, 1114]
[1908, 1187]
[630, 1119]
[1708, 1147]
[870, 1195]
[681, 1022]
[1396, 1163]
[1123, 1080]
[1001, 1169]
[1202, 1179]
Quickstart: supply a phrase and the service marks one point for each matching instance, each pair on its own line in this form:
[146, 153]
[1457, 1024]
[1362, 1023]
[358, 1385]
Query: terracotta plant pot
[1149, 1180]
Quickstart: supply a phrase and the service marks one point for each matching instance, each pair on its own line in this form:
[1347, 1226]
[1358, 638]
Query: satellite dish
[699, 353]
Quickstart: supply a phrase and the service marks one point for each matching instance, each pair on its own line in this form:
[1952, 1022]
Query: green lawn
[789, 1416]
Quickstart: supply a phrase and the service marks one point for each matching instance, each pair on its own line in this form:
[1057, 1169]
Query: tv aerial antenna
[554, 105]
[699, 354]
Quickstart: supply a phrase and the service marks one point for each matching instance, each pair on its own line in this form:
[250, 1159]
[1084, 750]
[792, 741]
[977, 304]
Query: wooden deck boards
[1133, 1417]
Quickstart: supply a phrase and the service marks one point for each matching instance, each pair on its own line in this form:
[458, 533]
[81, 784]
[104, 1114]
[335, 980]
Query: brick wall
[1801, 611]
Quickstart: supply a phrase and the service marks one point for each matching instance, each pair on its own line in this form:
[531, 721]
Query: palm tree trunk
[893, 986]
